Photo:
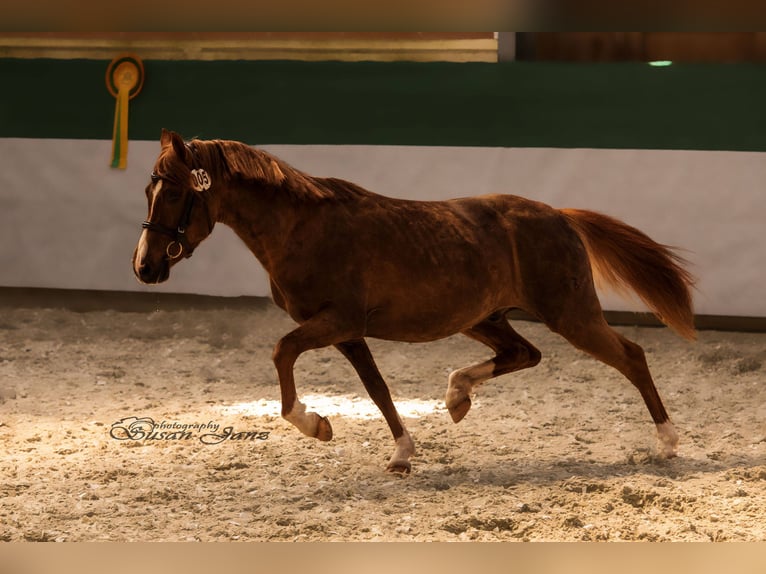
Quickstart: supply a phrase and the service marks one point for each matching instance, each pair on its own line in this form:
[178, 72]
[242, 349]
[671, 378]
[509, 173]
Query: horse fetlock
[399, 462]
[668, 439]
[310, 424]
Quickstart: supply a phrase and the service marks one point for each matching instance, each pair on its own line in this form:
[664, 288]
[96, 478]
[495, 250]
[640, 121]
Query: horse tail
[624, 257]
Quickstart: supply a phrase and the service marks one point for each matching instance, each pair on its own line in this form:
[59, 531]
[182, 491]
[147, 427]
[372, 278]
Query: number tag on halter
[200, 180]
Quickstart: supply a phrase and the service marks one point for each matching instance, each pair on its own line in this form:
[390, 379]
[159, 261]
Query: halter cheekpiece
[180, 244]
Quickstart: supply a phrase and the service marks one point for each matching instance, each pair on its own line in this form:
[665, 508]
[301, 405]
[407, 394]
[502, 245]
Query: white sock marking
[668, 437]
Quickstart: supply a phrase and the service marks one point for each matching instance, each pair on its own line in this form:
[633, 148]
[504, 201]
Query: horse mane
[236, 160]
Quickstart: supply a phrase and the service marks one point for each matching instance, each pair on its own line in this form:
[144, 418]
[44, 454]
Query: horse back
[444, 264]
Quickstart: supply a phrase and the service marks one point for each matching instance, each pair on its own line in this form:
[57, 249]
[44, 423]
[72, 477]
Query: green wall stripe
[623, 105]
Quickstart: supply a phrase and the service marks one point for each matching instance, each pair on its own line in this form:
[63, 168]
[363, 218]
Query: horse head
[179, 215]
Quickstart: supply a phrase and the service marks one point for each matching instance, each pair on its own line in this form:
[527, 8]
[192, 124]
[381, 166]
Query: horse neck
[262, 218]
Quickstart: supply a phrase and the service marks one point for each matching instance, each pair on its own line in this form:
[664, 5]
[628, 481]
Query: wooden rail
[310, 46]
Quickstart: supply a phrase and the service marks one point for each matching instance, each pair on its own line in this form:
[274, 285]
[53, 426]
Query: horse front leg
[358, 354]
[321, 330]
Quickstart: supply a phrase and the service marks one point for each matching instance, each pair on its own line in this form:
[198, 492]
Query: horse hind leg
[513, 353]
[358, 354]
[586, 329]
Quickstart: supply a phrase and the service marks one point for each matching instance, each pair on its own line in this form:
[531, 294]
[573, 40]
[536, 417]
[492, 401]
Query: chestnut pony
[347, 264]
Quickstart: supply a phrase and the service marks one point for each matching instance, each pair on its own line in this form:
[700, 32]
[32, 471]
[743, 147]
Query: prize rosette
[124, 80]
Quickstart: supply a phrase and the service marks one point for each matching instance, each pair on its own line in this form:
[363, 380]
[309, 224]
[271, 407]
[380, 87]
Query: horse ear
[179, 147]
[169, 137]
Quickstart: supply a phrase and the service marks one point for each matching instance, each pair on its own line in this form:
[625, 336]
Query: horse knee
[285, 349]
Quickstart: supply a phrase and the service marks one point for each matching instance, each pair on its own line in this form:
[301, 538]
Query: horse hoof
[666, 452]
[324, 429]
[459, 410]
[399, 467]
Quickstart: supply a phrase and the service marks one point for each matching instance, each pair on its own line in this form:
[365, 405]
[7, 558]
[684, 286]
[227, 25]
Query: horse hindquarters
[623, 256]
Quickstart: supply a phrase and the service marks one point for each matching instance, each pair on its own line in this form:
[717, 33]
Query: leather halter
[178, 234]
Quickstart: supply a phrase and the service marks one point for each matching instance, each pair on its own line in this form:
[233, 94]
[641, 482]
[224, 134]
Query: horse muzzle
[151, 273]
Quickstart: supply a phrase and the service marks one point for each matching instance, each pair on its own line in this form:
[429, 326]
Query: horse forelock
[171, 168]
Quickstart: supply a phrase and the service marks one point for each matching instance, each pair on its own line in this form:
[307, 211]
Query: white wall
[67, 220]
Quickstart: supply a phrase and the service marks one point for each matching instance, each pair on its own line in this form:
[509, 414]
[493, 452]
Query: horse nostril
[144, 272]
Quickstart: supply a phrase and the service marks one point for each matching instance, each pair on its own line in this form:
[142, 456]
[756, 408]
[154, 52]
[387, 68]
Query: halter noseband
[178, 234]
